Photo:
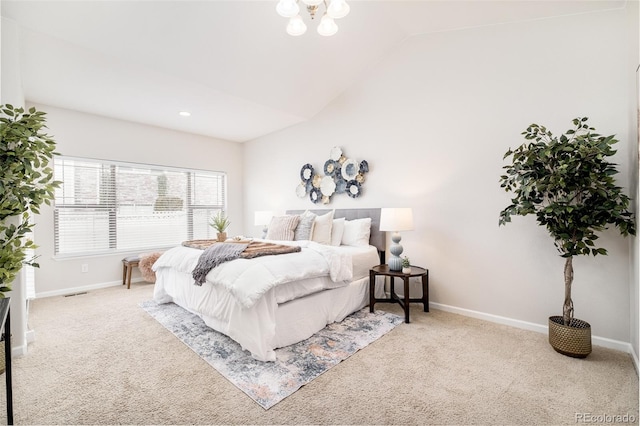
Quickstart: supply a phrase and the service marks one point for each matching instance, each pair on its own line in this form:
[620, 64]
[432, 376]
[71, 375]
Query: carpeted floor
[99, 358]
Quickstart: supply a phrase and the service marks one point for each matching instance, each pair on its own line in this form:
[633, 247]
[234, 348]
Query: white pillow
[357, 232]
[305, 226]
[322, 228]
[337, 229]
[282, 228]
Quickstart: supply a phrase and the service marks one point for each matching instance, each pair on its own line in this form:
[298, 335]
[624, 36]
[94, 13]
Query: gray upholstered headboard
[377, 239]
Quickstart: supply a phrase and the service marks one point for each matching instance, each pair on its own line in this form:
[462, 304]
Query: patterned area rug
[268, 383]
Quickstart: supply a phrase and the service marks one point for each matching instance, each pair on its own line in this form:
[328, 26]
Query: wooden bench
[128, 263]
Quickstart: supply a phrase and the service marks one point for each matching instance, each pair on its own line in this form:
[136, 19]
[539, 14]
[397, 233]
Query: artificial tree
[568, 183]
[26, 183]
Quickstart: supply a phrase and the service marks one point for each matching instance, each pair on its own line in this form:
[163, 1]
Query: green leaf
[26, 182]
[569, 185]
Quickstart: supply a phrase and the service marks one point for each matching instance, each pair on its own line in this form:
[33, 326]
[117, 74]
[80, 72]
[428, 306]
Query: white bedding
[241, 298]
[249, 279]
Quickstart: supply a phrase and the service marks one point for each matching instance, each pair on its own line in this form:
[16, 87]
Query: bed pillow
[337, 229]
[356, 232]
[305, 226]
[322, 228]
[282, 227]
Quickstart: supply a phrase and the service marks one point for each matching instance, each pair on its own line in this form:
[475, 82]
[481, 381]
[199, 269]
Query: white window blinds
[105, 206]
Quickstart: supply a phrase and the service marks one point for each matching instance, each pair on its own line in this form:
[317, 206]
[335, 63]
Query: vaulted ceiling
[230, 63]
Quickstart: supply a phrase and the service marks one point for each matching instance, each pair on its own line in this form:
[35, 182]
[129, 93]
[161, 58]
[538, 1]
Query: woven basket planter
[573, 340]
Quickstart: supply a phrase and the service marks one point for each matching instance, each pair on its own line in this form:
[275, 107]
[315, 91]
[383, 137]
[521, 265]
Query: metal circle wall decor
[301, 190]
[331, 167]
[341, 175]
[315, 195]
[353, 188]
[349, 169]
[306, 173]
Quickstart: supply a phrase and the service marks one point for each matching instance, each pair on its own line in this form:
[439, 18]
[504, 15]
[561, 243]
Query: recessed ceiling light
[185, 113]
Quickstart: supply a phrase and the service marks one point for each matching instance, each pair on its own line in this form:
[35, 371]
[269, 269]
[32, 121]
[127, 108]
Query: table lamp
[262, 218]
[395, 220]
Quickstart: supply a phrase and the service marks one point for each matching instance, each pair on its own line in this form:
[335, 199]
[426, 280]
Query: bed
[274, 301]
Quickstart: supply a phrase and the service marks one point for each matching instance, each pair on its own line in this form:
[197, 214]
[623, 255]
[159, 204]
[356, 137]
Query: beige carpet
[99, 358]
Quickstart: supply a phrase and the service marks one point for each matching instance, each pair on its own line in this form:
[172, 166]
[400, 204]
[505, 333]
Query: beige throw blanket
[253, 249]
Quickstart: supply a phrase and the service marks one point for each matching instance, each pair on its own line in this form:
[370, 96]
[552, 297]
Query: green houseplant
[220, 222]
[569, 185]
[406, 265]
[26, 183]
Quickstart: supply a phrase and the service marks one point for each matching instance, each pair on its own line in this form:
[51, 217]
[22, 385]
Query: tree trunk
[567, 308]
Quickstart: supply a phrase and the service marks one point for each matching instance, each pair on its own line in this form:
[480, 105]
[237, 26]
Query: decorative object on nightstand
[396, 220]
[220, 222]
[262, 218]
[406, 265]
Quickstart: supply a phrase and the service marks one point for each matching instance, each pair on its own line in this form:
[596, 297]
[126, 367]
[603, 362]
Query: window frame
[112, 204]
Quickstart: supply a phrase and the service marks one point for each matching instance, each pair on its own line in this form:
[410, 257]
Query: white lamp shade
[262, 217]
[287, 8]
[338, 9]
[327, 26]
[296, 26]
[396, 219]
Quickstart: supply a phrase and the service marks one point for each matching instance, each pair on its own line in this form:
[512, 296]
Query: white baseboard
[82, 289]
[595, 340]
[18, 351]
[634, 356]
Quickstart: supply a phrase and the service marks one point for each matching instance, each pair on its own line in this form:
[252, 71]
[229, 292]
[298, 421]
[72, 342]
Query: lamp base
[395, 263]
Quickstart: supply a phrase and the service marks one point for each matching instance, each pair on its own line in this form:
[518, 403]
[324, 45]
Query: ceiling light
[334, 9]
[296, 26]
[338, 9]
[327, 26]
[185, 113]
[287, 8]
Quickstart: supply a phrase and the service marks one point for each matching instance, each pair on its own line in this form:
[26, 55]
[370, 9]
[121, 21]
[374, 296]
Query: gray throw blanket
[214, 256]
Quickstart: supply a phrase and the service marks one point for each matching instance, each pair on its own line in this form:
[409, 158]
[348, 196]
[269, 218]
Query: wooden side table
[393, 297]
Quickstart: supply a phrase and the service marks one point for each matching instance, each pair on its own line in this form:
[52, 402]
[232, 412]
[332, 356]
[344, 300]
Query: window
[106, 206]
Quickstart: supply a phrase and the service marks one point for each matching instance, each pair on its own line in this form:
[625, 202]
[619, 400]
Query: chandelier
[334, 9]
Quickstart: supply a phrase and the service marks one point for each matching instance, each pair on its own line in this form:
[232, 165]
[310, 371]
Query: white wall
[434, 119]
[11, 93]
[84, 135]
[634, 54]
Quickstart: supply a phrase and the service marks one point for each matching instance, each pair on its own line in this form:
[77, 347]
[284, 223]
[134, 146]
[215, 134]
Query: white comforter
[247, 280]
[241, 298]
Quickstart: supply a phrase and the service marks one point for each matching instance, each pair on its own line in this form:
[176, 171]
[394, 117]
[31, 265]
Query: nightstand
[393, 297]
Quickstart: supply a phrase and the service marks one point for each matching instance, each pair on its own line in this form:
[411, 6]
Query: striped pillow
[282, 227]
